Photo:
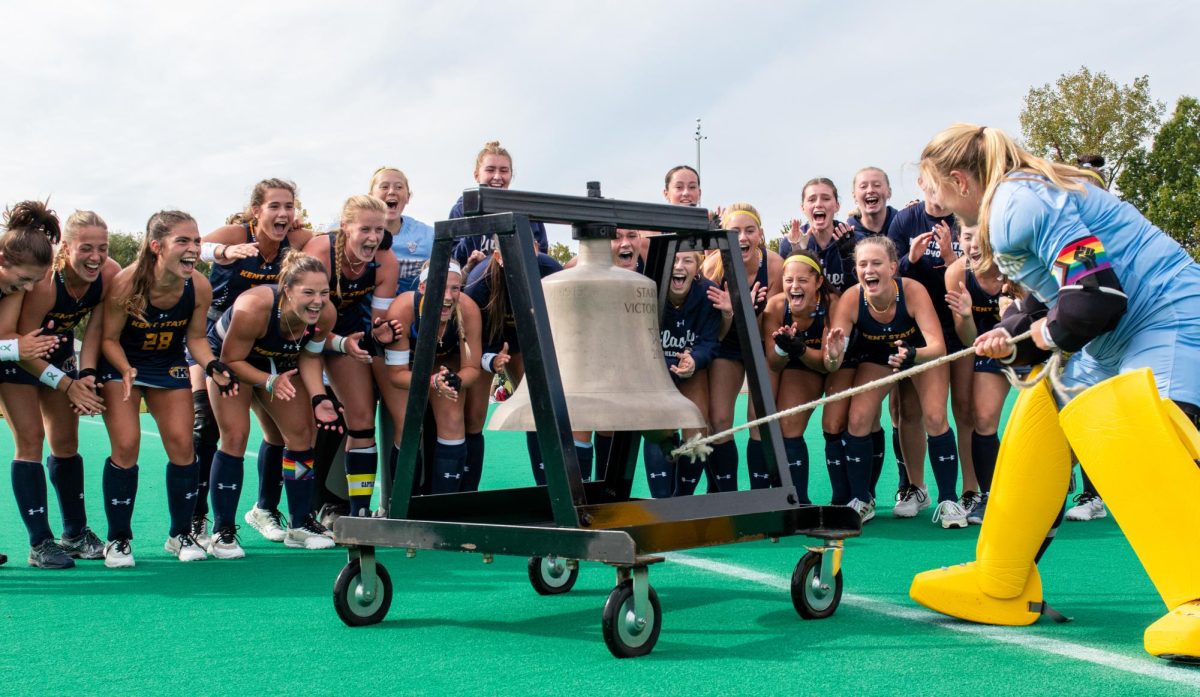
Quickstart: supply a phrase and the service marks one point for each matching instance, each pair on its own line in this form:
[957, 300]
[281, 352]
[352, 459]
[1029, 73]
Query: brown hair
[712, 268]
[492, 147]
[157, 228]
[825, 289]
[78, 220]
[671, 172]
[295, 263]
[259, 194]
[352, 206]
[458, 318]
[821, 180]
[881, 241]
[30, 232]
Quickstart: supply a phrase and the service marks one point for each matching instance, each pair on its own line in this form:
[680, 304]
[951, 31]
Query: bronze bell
[604, 321]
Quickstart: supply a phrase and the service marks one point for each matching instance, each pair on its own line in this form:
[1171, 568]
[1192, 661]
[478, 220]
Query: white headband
[454, 268]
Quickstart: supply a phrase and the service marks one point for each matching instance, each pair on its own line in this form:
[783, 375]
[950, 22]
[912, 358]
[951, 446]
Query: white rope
[698, 448]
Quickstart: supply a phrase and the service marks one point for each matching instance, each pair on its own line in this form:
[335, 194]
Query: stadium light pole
[698, 138]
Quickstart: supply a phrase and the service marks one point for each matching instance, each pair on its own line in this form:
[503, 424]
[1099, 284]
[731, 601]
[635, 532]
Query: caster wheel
[622, 634]
[348, 600]
[814, 602]
[551, 576]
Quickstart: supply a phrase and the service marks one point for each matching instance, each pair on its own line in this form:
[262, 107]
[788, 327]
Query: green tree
[1086, 113]
[123, 247]
[561, 252]
[1164, 183]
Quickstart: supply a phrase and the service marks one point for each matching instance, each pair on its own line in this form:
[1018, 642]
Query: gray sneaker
[85, 546]
[975, 517]
[200, 530]
[48, 555]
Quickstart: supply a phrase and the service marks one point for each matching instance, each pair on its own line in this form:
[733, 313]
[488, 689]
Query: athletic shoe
[911, 500]
[330, 512]
[1087, 506]
[48, 555]
[310, 535]
[950, 514]
[224, 544]
[85, 546]
[268, 523]
[118, 555]
[184, 547]
[975, 517]
[864, 509]
[200, 530]
[969, 500]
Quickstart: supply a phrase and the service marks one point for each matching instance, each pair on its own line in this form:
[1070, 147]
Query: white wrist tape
[51, 376]
[208, 251]
[314, 346]
[338, 344]
[487, 360]
[10, 350]
[391, 357]
[780, 352]
[379, 302]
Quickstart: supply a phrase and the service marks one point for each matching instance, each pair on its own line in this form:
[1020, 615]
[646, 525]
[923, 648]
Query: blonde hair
[712, 269]
[870, 168]
[295, 263]
[385, 168]
[353, 205]
[458, 316]
[992, 157]
[880, 241]
[78, 220]
[492, 147]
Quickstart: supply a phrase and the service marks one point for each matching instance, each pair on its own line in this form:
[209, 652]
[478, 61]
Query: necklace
[352, 268]
[872, 305]
[77, 298]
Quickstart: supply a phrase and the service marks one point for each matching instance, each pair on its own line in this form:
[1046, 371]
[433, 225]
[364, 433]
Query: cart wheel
[351, 607]
[813, 602]
[622, 635]
[551, 576]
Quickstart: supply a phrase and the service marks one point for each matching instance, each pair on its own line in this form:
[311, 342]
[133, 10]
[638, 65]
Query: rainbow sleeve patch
[1080, 258]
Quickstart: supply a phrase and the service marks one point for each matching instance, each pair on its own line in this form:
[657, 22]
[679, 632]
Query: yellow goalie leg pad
[1033, 472]
[1135, 447]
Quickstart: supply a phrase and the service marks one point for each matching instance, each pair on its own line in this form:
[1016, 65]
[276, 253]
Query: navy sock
[584, 453]
[298, 483]
[448, 461]
[902, 470]
[535, 458]
[226, 488]
[204, 441]
[601, 448]
[473, 469]
[181, 496]
[29, 486]
[270, 476]
[660, 469]
[687, 475]
[835, 462]
[361, 464]
[756, 464]
[722, 467]
[877, 453]
[984, 450]
[797, 456]
[66, 474]
[943, 458]
[858, 466]
[120, 493]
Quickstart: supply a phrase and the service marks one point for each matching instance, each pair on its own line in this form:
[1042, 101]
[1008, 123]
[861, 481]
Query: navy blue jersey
[351, 297]
[812, 336]
[694, 325]
[485, 243]
[479, 288]
[855, 222]
[154, 346]
[231, 280]
[448, 340]
[837, 260]
[985, 312]
[930, 270]
[274, 351]
[730, 347]
[874, 341]
[66, 314]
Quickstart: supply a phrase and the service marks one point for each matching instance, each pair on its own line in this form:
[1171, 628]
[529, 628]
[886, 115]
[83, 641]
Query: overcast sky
[127, 108]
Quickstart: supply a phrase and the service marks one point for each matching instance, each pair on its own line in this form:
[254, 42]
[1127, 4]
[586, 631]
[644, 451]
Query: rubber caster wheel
[348, 600]
[551, 576]
[622, 634]
[812, 601]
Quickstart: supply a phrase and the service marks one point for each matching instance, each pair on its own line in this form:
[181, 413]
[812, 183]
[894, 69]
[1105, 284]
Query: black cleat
[48, 555]
[85, 546]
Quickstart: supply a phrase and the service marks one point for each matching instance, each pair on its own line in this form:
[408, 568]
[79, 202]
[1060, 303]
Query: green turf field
[266, 624]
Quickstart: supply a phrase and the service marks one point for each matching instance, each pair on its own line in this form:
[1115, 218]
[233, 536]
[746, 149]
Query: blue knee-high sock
[943, 458]
[535, 458]
[448, 461]
[298, 483]
[120, 493]
[835, 462]
[361, 464]
[473, 469]
[29, 486]
[225, 486]
[660, 470]
[270, 476]
[66, 474]
[902, 470]
[722, 467]
[797, 456]
[204, 441]
[602, 447]
[877, 453]
[584, 453]
[984, 450]
[182, 491]
[756, 465]
[858, 466]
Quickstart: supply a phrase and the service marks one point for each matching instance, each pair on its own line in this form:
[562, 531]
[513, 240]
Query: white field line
[90, 422]
[1144, 666]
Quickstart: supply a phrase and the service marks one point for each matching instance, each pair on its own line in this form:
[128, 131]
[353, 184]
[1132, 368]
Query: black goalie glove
[452, 380]
[910, 355]
[216, 366]
[336, 424]
[793, 345]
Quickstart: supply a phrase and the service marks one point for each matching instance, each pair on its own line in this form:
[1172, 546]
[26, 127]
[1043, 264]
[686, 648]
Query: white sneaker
[224, 544]
[184, 548]
[268, 523]
[200, 530]
[950, 514]
[310, 535]
[1087, 506]
[118, 554]
[864, 509]
[912, 500]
